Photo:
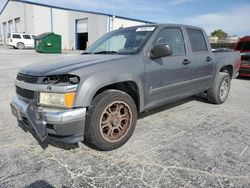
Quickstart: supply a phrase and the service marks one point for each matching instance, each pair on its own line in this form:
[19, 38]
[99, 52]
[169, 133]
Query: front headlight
[61, 100]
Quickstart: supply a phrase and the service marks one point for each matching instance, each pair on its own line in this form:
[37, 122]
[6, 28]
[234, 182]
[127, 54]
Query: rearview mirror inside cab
[160, 50]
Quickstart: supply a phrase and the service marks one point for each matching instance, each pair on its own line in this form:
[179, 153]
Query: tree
[219, 33]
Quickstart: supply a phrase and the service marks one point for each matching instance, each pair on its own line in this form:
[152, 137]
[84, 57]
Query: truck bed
[230, 57]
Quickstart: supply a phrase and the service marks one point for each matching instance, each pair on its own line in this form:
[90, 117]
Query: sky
[233, 16]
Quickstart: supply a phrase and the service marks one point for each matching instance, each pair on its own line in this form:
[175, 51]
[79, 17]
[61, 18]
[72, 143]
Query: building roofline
[4, 7]
[77, 10]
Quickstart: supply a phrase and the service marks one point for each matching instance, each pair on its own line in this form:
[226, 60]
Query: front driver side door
[168, 78]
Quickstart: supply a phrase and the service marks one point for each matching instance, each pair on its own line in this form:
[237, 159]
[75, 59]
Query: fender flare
[89, 87]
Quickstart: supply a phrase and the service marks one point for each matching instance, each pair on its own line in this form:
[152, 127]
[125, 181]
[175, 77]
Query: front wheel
[221, 87]
[111, 120]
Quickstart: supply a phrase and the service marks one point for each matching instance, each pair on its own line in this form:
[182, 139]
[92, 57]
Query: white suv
[21, 41]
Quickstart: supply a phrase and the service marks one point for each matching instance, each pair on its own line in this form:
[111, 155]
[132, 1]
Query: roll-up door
[82, 26]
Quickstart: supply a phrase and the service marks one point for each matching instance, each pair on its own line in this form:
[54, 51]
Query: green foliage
[219, 33]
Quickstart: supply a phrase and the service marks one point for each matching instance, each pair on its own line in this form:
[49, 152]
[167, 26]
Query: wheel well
[128, 87]
[228, 69]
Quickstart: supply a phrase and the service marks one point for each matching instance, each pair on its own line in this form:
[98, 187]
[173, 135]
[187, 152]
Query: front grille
[27, 78]
[244, 71]
[28, 94]
[245, 62]
[246, 58]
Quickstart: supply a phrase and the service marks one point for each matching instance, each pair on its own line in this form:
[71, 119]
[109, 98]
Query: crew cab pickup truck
[95, 97]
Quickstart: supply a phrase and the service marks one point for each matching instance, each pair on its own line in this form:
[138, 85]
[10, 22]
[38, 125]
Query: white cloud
[178, 2]
[234, 21]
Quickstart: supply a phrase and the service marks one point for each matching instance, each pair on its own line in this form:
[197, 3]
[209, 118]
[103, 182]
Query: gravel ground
[187, 144]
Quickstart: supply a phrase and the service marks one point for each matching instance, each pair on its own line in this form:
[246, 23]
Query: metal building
[78, 28]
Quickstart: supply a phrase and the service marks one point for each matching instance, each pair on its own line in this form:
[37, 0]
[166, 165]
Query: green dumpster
[48, 43]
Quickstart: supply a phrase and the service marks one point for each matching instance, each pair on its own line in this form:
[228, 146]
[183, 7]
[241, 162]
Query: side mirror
[160, 50]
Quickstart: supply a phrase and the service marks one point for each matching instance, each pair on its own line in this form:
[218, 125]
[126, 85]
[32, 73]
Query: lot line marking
[243, 151]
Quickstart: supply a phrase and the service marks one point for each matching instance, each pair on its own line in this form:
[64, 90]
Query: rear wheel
[111, 120]
[20, 45]
[220, 91]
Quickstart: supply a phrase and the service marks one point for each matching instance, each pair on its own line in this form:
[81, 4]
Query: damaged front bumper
[58, 124]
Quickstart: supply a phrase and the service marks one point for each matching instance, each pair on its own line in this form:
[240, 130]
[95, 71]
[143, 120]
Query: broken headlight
[66, 79]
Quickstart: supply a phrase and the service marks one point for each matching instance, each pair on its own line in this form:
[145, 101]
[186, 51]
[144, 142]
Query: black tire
[20, 45]
[109, 107]
[221, 88]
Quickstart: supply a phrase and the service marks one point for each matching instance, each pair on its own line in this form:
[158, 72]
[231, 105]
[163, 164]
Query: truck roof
[167, 25]
[15, 33]
[245, 38]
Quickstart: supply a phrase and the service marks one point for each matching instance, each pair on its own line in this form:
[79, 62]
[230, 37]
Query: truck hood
[67, 64]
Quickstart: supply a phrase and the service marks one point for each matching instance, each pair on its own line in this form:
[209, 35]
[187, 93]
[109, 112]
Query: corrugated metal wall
[12, 11]
[42, 19]
[29, 19]
[61, 26]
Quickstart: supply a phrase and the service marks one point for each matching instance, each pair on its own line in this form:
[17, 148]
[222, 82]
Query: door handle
[186, 62]
[208, 59]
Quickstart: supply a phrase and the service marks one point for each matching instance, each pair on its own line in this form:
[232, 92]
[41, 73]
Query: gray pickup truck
[95, 97]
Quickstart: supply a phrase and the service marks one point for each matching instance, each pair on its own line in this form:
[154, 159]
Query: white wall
[29, 19]
[12, 10]
[42, 19]
[61, 26]
[97, 26]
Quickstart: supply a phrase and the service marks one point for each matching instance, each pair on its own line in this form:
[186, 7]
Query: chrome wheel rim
[115, 121]
[224, 88]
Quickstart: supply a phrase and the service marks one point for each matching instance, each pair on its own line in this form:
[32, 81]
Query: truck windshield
[243, 46]
[122, 41]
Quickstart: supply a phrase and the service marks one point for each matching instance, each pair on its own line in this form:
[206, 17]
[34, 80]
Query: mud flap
[35, 121]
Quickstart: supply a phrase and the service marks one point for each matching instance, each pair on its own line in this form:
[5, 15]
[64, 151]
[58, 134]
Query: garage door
[11, 26]
[5, 32]
[82, 26]
[17, 25]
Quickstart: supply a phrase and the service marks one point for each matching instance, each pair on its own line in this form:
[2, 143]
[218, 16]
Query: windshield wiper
[106, 52]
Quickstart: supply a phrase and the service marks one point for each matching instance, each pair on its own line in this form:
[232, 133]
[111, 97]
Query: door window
[243, 46]
[26, 37]
[197, 40]
[15, 36]
[173, 38]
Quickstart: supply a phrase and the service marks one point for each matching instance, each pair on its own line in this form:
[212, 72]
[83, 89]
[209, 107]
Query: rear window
[243, 46]
[15, 36]
[197, 40]
[26, 37]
